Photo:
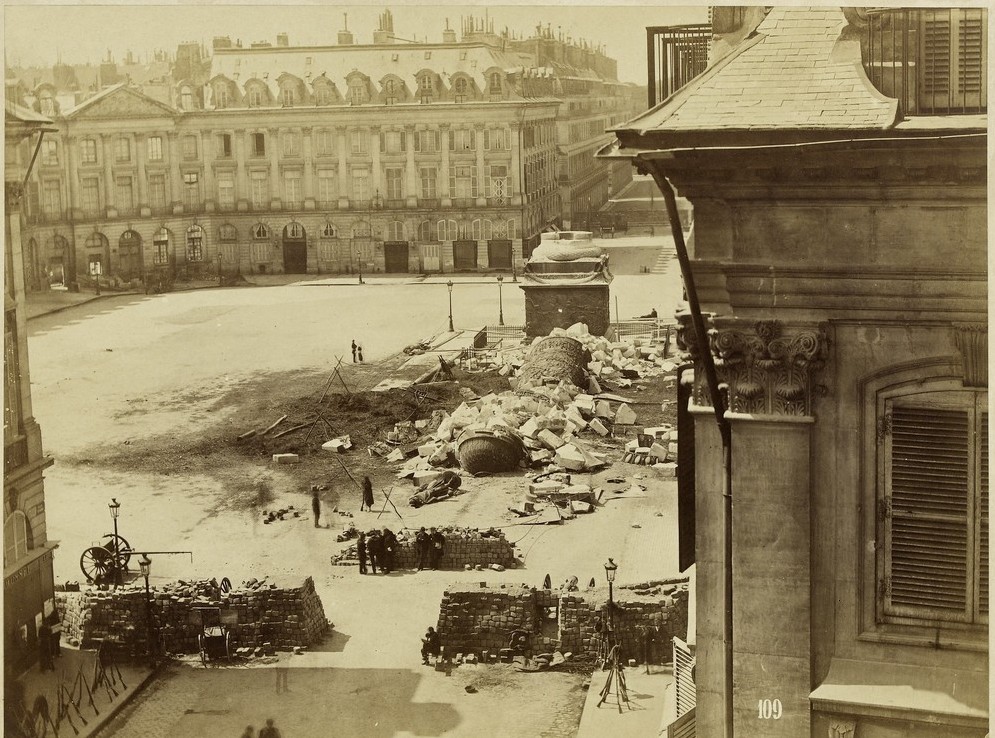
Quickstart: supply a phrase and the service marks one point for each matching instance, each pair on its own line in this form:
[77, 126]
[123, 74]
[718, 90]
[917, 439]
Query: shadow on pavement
[360, 703]
[334, 643]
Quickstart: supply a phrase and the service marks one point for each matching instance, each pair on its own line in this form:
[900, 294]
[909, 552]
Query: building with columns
[384, 157]
[836, 162]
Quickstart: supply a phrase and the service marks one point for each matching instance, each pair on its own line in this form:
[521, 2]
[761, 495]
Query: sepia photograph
[517, 371]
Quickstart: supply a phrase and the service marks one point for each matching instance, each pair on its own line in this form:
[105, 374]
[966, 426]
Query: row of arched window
[292, 91]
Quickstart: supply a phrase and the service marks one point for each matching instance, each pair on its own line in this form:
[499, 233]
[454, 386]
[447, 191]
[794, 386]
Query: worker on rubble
[437, 543]
[354, 351]
[430, 645]
[367, 495]
[374, 547]
[422, 548]
[389, 546]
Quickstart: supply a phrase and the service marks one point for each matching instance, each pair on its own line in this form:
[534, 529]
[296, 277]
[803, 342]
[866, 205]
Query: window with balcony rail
[677, 54]
[934, 61]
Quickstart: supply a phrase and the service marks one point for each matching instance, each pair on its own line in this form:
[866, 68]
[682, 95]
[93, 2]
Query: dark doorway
[395, 256]
[499, 254]
[294, 249]
[464, 255]
[129, 254]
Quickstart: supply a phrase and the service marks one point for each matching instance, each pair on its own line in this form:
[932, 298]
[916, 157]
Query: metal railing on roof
[934, 61]
[675, 56]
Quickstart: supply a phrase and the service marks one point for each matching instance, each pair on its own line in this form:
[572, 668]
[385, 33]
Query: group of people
[357, 352]
[377, 549]
[49, 641]
[270, 731]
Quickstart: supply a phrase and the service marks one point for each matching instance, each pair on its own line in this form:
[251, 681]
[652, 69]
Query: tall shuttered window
[934, 508]
[953, 56]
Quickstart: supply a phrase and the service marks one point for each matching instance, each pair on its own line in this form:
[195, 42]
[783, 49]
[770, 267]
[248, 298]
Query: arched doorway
[58, 261]
[97, 255]
[129, 254]
[294, 249]
[395, 248]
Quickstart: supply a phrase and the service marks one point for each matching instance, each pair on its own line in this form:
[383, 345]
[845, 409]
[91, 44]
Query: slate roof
[796, 72]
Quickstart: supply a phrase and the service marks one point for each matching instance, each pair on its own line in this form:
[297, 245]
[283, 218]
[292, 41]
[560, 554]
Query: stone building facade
[28, 582]
[383, 157]
[839, 254]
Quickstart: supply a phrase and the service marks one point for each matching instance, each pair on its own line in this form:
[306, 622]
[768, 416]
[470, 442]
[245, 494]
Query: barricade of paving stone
[258, 614]
[464, 546]
[477, 618]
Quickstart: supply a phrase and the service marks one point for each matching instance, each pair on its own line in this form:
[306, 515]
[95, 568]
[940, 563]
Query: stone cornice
[765, 367]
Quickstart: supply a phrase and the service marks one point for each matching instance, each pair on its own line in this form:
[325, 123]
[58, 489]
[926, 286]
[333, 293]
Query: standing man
[374, 547]
[270, 731]
[367, 495]
[421, 548]
[389, 545]
[438, 542]
[361, 552]
[45, 647]
[315, 505]
[354, 351]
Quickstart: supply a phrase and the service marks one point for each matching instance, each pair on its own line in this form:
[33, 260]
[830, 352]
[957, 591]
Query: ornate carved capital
[842, 729]
[972, 345]
[13, 192]
[764, 367]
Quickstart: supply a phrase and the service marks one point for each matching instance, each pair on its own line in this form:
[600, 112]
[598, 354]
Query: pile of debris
[284, 513]
[465, 548]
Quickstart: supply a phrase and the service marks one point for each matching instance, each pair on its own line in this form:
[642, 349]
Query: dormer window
[357, 93]
[495, 83]
[425, 88]
[460, 89]
[288, 97]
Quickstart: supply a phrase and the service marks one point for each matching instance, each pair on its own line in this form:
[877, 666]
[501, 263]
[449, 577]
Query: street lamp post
[449, 284]
[500, 280]
[359, 265]
[610, 569]
[115, 507]
[145, 564]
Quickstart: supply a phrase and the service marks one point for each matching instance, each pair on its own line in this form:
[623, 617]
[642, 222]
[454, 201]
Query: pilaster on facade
[767, 367]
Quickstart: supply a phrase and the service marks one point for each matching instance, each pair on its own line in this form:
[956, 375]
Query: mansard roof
[373, 61]
[801, 70]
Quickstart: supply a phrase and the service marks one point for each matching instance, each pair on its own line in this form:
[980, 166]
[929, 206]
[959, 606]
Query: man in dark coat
[438, 542]
[361, 552]
[354, 351]
[389, 547]
[421, 548]
[374, 547]
[367, 495]
[45, 648]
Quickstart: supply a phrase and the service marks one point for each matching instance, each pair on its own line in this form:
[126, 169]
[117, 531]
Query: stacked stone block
[476, 618]
[257, 614]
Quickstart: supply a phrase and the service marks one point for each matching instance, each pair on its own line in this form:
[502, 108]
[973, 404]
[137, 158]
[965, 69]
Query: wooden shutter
[934, 57]
[927, 511]
[684, 691]
[982, 519]
[972, 78]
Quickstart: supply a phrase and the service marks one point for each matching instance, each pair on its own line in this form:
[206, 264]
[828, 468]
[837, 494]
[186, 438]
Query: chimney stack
[449, 34]
[385, 31]
[282, 39]
[345, 36]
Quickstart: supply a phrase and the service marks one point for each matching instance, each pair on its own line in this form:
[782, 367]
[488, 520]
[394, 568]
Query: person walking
[421, 548]
[249, 732]
[438, 543]
[354, 351]
[361, 552]
[367, 495]
[270, 731]
[389, 546]
[430, 645]
[359, 352]
[315, 506]
[56, 625]
[374, 547]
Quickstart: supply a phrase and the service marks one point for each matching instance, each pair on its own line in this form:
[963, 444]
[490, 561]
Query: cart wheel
[123, 550]
[225, 585]
[203, 650]
[96, 562]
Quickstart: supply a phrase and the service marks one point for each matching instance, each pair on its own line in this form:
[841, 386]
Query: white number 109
[769, 709]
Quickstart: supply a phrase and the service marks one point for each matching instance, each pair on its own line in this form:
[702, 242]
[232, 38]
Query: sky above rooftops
[39, 34]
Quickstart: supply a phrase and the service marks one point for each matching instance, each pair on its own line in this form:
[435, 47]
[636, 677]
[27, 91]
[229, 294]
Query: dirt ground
[317, 407]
